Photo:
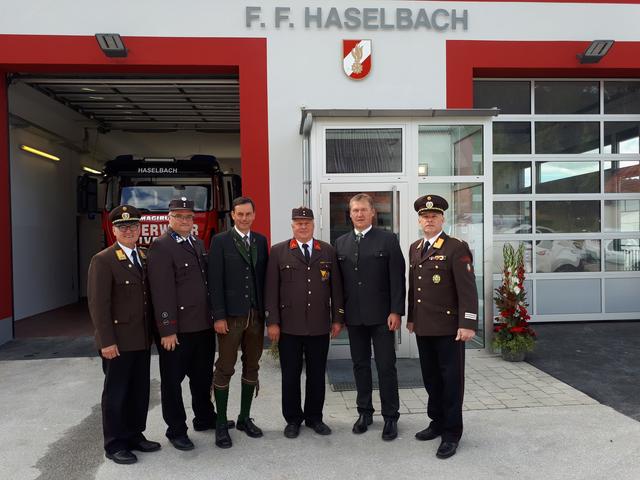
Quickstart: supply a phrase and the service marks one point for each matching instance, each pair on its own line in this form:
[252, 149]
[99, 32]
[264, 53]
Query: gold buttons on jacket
[186, 264]
[419, 278]
[126, 282]
[115, 321]
[419, 301]
[448, 312]
[419, 289]
[181, 308]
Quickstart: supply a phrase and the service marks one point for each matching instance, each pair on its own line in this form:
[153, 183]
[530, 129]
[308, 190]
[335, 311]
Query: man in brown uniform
[443, 313]
[178, 279]
[120, 310]
[303, 301]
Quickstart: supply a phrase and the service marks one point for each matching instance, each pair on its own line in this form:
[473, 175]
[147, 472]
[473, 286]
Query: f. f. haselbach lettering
[353, 18]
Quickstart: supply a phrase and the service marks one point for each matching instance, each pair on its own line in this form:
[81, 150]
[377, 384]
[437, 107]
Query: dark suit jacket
[230, 273]
[374, 281]
[303, 299]
[442, 288]
[119, 302]
[178, 280]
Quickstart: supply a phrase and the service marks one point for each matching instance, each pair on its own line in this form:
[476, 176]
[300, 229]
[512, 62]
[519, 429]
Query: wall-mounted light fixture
[595, 51]
[111, 44]
[91, 170]
[422, 169]
[40, 153]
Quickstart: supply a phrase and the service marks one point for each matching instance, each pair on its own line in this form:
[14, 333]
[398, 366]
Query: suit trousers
[192, 358]
[442, 365]
[360, 339]
[248, 334]
[125, 399]
[314, 349]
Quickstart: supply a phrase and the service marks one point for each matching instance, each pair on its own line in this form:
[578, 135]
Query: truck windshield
[156, 198]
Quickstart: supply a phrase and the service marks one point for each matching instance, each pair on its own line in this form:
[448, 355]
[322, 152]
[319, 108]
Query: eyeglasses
[128, 228]
[184, 218]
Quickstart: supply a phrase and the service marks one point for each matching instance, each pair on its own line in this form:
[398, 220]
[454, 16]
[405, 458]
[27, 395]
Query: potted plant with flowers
[512, 333]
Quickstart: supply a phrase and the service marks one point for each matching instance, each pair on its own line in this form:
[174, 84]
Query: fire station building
[524, 115]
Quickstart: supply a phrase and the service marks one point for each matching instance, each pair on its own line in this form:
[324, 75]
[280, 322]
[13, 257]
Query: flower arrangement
[512, 333]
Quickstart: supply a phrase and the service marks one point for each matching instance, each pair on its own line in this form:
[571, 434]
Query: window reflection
[568, 216]
[622, 97]
[511, 138]
[621, 215]
[567, 177]
[509, 96]
[622, 176]
[450, 150]
[621, 137]
[364, 150]
[498, 260]
[567, 137]
[511, 177]
[622, 255]
[511, 217]
[567, 256]
[578, 98]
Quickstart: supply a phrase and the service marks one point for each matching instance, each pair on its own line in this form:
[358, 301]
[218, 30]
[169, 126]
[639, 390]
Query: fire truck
[150, 183]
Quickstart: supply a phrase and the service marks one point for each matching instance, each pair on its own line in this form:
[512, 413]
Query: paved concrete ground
[520, 424]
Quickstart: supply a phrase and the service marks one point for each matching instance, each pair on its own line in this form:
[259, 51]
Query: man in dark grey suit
[237, 266]
[373, 273]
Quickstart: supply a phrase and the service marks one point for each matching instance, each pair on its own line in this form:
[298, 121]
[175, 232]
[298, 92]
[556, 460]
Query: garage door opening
[117, 139]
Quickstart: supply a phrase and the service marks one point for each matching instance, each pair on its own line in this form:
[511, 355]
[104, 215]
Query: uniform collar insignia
[142, 253]
[316, 244]
[438, 243]
[121, 255]
[293, 244]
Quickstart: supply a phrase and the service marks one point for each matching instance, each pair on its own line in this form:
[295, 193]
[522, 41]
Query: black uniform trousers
[442, 365]
[125, 399]
[192, 358]
[314, 349]
[360, 339]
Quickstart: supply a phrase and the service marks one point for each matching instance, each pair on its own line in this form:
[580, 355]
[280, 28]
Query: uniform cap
[301, 212]
[124, 214]
[429, 203]
[181, 204]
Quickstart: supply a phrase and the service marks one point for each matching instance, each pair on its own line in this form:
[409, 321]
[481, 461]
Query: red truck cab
[150, 183]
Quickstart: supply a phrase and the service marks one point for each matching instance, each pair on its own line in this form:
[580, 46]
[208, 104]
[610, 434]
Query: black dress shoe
[201, 427]
[182, 443]
[145, 446]
[390, 430]
[247, 426]
[428, 433]
[447, 449]
[292, 430]
[123, 457]
[320, 428]
[223, 440]
[364, 420]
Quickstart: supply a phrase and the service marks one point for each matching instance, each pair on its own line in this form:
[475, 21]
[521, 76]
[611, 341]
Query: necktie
[425, 247]
[307, 255]
[247, 244]
[136, 263]
[359, 237]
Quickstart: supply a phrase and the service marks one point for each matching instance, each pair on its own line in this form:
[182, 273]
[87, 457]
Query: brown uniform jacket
[303, 299]
[119, 302]
[178, 280]
[442, 288]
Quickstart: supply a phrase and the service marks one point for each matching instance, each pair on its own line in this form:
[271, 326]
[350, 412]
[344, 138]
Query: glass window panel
[568, 216]
[567, 97]
[498, 260]
[511, 217]
[340, 220]
[364, 150]
[622, 255]
[621, 137]
[621, 215]
[622, 97]
[622, 176]
[567, 177]
[567, 256]
[511, 138]
[450, 150]
[511, 177]
[567, 137]
[509, 96]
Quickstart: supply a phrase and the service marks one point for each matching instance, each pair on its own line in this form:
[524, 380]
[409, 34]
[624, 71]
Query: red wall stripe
[81, 55]
[467, 59]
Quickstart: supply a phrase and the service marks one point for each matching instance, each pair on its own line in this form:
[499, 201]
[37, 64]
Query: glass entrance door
[335, 221]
